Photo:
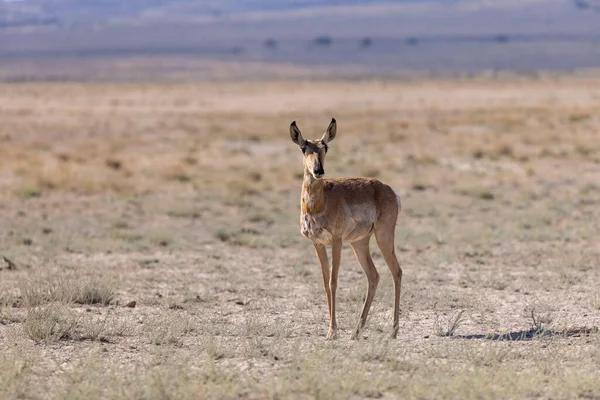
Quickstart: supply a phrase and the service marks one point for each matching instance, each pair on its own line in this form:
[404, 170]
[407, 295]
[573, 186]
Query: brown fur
[347, 210]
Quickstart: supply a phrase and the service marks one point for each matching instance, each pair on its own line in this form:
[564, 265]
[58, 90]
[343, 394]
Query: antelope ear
[329, 134]
[296, 135]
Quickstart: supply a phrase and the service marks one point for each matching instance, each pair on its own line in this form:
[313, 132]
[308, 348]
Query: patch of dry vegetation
[155, 232]
[47, 288]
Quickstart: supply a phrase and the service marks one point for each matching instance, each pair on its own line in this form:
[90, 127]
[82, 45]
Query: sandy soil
[185, 199]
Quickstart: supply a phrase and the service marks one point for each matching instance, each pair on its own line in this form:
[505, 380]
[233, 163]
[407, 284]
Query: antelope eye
[303, 149]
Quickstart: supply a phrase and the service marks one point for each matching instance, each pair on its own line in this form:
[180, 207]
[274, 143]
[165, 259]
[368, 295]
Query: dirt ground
[185, 199]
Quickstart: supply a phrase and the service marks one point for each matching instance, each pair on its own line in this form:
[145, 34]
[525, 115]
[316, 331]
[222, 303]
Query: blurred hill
[435, 35]
[41, 12]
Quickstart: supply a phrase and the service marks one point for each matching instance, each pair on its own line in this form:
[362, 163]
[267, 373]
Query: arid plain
[185, 197]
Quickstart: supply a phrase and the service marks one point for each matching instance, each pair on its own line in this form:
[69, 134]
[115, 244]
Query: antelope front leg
[336, 255]
[324, 261]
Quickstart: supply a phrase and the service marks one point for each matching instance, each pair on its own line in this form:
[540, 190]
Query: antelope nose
[319, 171]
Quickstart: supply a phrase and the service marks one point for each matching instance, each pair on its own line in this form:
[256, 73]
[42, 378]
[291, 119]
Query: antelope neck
[313, 197]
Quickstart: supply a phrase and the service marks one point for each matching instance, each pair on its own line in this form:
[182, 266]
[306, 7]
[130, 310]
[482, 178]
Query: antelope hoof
[331, 335]
[394, 334]
[355, 334]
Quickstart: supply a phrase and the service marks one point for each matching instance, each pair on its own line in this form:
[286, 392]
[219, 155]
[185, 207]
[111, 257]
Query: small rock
[131, 304]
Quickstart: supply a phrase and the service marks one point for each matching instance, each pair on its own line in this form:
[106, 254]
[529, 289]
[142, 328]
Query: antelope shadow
[532, 334]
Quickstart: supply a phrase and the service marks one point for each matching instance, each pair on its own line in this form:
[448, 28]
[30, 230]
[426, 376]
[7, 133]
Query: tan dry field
[184, 198]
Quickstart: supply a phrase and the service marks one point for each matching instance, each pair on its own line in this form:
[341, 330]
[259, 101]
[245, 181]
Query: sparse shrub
[478, 154]
[127, 236]
[255, 176]
[50, 323]
[94, 292]
[259, 217]
[177, 173]
[41, 289]
[240, 188]
[270, 43]
[366, 42]
[164, 242]
[53, 322]
[486, 195]
[502, 38]
[247, 237]
[165, 331]
[7, 316]
[214, 349]
[323, 40]
[29, 191]
[583, 150]
[98, 329]
[424, 159]
[448, 327]
[48, 289]
[540, 317]
[122, 224]
[578, 117]
[482, 194]
[504, 149]
[412, 41]
[189, 160]
[223, 235]
[114, 163]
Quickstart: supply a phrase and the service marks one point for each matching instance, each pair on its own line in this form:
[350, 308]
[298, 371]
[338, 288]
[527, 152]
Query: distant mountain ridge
[60, 13]
[56, 12]
[379, 35]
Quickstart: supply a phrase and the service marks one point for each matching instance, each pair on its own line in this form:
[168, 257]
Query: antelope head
[314, 151]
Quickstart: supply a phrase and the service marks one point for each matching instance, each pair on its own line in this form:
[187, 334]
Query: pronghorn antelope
[347, 210]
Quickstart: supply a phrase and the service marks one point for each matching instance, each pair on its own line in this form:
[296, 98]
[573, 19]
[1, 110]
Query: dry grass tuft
[449, 326]
[29, 191]
[50, 323]
[96, 291]
[169, 330]
[101, 328]
[243, 237]
[504, 150]
[43, 289]
[55, 322]
[540, 316]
